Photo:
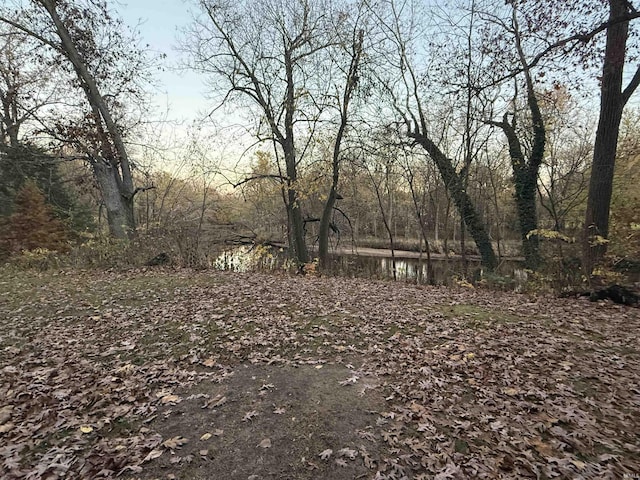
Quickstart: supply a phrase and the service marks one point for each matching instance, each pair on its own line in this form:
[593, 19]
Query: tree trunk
[528, 217]
[525, 175]
[119, 209]
[325, 223]
[612, 101]
[455, 186]
[297, 228]
[418, 205]
[525, 171]
[124, 177]
[327, 213]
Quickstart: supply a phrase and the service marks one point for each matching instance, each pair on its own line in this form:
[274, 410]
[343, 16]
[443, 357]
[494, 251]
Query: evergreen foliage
[32, 224]
[18, 164]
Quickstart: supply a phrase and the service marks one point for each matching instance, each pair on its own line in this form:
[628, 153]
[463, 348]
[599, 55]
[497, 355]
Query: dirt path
[273, 422]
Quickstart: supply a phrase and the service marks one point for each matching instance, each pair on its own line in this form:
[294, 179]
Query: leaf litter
[102, 370]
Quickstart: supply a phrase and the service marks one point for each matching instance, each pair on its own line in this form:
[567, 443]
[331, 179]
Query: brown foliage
[153, 374]
[33, 224]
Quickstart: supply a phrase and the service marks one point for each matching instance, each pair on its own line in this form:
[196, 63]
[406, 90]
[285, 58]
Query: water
[375, 266]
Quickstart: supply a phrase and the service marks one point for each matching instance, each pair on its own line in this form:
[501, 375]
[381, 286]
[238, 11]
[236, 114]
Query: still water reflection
[377, 266]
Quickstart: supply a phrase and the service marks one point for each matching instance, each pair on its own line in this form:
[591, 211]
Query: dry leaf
[266, 443]
[249, 415]
[153, 454]
[175, 442]
[579, 464]
[325, 454]
[86, 429]
[170, 399]
[7, 427]
[347, 453]
[205, 436]
[5, 413]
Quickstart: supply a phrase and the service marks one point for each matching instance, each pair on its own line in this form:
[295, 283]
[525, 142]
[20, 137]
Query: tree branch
[258, 177]
[633, 84]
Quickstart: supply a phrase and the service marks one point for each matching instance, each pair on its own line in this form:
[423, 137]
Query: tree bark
[119, 217]
[525, 171]
[612, 101]
[290, 159]
[525, 175]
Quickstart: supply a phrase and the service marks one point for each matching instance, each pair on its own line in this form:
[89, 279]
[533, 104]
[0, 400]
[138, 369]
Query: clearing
[161, 374]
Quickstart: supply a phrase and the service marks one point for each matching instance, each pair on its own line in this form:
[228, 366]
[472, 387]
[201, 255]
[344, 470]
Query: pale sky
[160, 22]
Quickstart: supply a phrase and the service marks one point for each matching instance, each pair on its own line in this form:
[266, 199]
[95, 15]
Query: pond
[375, 264]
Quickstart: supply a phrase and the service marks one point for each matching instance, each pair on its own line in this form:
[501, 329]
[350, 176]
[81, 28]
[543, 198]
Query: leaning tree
[91, 50]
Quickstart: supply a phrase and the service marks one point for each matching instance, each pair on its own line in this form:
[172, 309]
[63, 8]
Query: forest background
[470, 127]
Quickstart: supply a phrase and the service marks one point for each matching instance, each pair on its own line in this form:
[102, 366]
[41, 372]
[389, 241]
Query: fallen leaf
[175, 442]
[86, 429]
[579, 464]
[7, 427]
[325, 454]
[266, 443]
[5, 413]
[348, 453]
[170, 399]
[205, 436]
[153, 454]
[349, 381]
[544, 449]
[249, 415]
[217, 402]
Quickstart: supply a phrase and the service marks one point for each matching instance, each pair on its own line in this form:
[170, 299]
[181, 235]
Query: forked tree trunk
[612, 101]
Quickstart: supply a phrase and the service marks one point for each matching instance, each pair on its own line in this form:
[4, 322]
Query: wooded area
[501, 129]
[484, 154]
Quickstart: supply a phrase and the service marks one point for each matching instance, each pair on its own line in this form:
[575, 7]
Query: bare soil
[273, 423]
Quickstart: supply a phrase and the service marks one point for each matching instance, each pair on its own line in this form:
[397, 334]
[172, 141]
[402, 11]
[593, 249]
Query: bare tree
[23, 87]
[89, 41]
[405, 85]
[291, 63]
[525, 163]
[351, 75]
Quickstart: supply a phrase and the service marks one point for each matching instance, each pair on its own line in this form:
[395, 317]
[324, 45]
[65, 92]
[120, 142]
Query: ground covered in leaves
[185, 375]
